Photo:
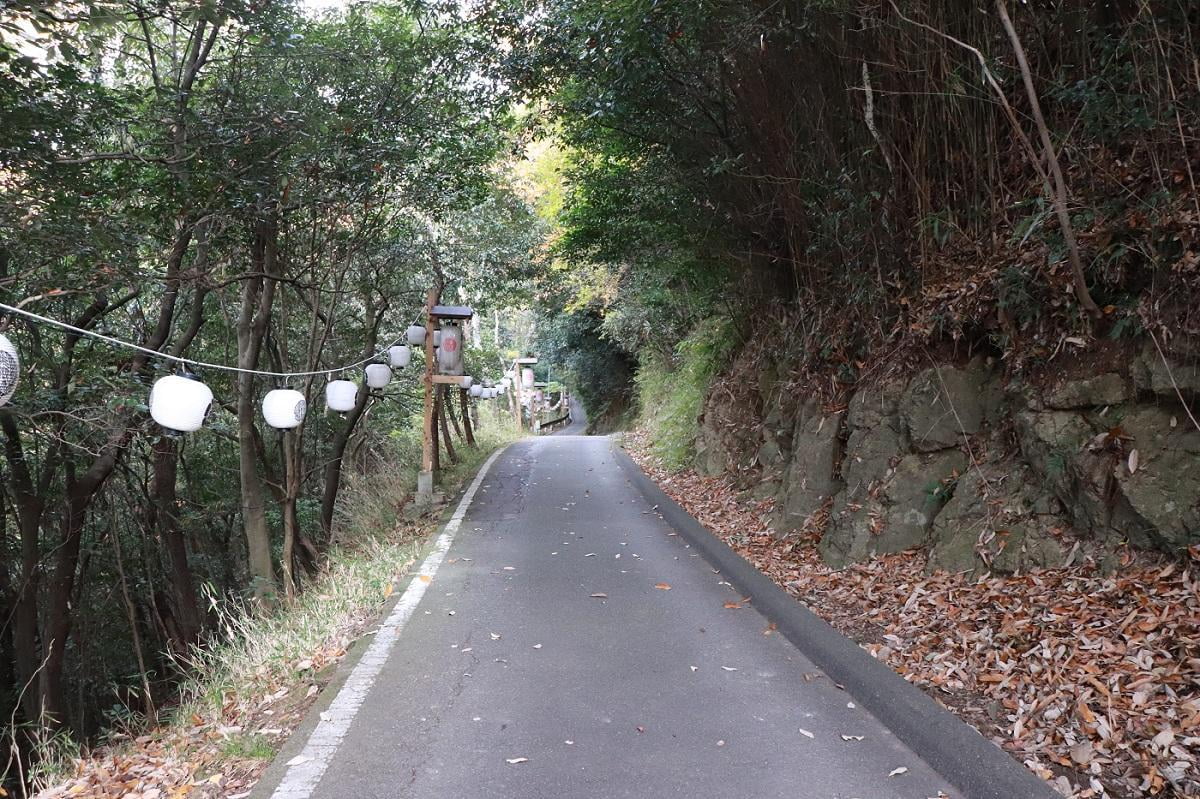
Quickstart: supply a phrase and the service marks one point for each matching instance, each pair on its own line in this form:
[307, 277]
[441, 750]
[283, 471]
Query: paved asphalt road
[578, 425]
[549, 634]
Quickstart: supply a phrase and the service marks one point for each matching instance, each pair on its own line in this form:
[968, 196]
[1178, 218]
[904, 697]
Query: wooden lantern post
[518, 365]
[429, 445]
[426, 476]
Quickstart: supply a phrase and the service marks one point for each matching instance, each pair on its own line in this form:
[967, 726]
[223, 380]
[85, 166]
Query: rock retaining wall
[982, 472]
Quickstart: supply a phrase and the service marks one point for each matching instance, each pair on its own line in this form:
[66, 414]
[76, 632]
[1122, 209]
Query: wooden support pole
[517, 396]
[465, 405]
[442, 412]
[437, 447]
[448, 405]
[429, 454]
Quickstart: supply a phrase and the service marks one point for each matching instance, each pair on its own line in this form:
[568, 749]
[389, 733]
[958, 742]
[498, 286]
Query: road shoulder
[974, 765]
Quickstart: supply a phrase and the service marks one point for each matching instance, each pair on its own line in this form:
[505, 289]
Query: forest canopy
[243, 184]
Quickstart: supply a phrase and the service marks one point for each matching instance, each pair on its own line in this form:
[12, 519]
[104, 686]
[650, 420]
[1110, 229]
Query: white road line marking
[301, 779]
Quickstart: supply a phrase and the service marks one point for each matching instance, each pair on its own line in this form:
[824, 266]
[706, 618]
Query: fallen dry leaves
[1090, 679]
[199, 758]
[195, 760]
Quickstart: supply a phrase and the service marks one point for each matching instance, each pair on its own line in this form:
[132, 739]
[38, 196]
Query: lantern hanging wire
[200, 364]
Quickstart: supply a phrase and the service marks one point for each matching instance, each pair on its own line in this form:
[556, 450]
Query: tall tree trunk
[333, 466]
[166, 522]
[80, 493]
[258, 294]
[291, 523]
[442, 411]
[30, 509]
[465, 405]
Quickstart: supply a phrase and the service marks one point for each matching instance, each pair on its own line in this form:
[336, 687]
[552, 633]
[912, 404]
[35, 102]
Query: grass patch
[671, 391]
[248, 747]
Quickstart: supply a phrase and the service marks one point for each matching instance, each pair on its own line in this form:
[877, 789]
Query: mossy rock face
[1163, 491]
[999, 519]
[1089, 392]
[1154, 374]
[1156, 504]
[894, 513]
[811, 475]
[711, 458]
[776, 444]
[944, 403]
[870, 453]
[869, 407]
[893, 469]
[1051, 441]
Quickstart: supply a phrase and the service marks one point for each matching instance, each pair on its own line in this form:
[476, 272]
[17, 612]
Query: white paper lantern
[179, 403]
[449, 341]
[527, 378]
[476, 390]
[416, 336]
[399, 356]
[493, 393]
[378, 375]
[466, 381]
[340, 395]
[10, 369]
[284, 408]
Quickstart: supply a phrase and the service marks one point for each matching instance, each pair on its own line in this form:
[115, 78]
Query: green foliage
[597, 368]
[845, 162]
[672, 391]
[151, 156]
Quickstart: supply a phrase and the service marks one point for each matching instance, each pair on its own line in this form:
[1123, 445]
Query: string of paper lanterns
[180, 403]
[175, 398]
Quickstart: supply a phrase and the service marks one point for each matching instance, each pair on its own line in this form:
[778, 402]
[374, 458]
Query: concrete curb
[975, 766]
